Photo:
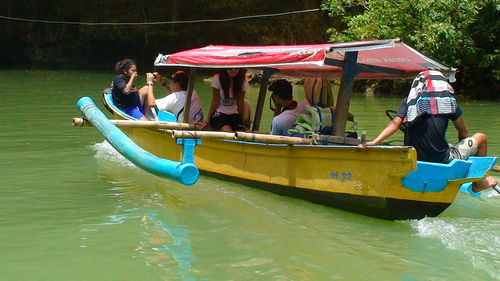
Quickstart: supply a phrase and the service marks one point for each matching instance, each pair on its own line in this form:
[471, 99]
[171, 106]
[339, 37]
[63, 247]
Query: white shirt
[286, 119]
[175, 103]
[227, 105]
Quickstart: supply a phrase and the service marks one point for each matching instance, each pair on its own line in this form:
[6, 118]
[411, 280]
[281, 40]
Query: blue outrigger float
[384, 181]
[184, 171]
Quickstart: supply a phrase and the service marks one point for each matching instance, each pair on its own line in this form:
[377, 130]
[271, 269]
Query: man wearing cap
[175, 101]
[286, 109]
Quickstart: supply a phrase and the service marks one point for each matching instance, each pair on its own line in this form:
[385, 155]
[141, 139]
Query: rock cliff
[67, 45]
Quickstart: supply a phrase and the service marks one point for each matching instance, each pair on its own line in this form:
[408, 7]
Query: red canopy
[377, 59]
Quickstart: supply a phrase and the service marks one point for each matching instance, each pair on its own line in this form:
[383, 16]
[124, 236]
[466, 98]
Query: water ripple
[475, 238]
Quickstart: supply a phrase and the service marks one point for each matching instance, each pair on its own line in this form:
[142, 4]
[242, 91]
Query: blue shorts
[134, 112]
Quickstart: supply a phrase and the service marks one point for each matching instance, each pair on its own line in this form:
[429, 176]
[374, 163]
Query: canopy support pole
[344, 98]
[262, 97]
[187, 106]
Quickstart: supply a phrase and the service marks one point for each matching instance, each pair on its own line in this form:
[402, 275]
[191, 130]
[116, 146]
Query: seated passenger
[227, 107]
[285, 108]
[124, 94]
[176, 101]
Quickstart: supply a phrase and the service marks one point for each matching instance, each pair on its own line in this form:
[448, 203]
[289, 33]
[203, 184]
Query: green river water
[73, 209]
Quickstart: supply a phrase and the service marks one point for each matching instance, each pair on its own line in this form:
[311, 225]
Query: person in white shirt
[285, 108]
[176, 101]
[228, 101]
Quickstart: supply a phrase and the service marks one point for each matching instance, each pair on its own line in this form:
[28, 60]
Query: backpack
[316, 120]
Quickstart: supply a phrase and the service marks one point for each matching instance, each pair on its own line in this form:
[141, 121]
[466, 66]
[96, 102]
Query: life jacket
[430, 94]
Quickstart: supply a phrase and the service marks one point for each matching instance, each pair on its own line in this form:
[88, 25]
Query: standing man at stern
[424, 116]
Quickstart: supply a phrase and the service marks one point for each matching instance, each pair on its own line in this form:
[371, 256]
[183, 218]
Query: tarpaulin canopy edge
[377, 59]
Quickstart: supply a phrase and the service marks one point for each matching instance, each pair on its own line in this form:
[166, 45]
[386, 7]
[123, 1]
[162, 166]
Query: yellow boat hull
[362, 181]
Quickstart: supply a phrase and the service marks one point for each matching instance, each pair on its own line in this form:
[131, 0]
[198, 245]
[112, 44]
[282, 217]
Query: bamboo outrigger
[383, 181]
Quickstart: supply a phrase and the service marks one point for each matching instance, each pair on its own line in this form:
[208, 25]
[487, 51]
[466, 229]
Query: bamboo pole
[79, 122]
[201, 134]
[243, 136]
[271, 138]
[185, 130]
[319, 139]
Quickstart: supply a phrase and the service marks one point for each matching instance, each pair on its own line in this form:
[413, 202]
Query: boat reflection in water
[164, 242]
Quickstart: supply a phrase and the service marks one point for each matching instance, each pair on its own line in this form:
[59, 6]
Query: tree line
[460, 33]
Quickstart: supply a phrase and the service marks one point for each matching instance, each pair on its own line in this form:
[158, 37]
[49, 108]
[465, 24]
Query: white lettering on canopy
[221, 51]
[372, 60]
[399, 60]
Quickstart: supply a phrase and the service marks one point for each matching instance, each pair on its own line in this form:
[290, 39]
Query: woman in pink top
[229, 88]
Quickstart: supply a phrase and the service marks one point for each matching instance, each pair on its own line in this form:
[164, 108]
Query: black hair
[124, 65]
[181, 78]
[236, 82]
[282, 88]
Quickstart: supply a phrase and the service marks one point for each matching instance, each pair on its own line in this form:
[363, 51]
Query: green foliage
[460, 33]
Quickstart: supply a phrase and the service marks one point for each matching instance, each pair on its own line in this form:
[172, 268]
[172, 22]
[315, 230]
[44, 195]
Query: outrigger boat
[382, 181]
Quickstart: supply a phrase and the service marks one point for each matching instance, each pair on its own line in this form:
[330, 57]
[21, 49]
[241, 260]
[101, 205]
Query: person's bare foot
[484, 184]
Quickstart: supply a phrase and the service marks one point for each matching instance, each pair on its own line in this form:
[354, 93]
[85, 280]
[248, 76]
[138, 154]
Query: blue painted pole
[184, 172]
